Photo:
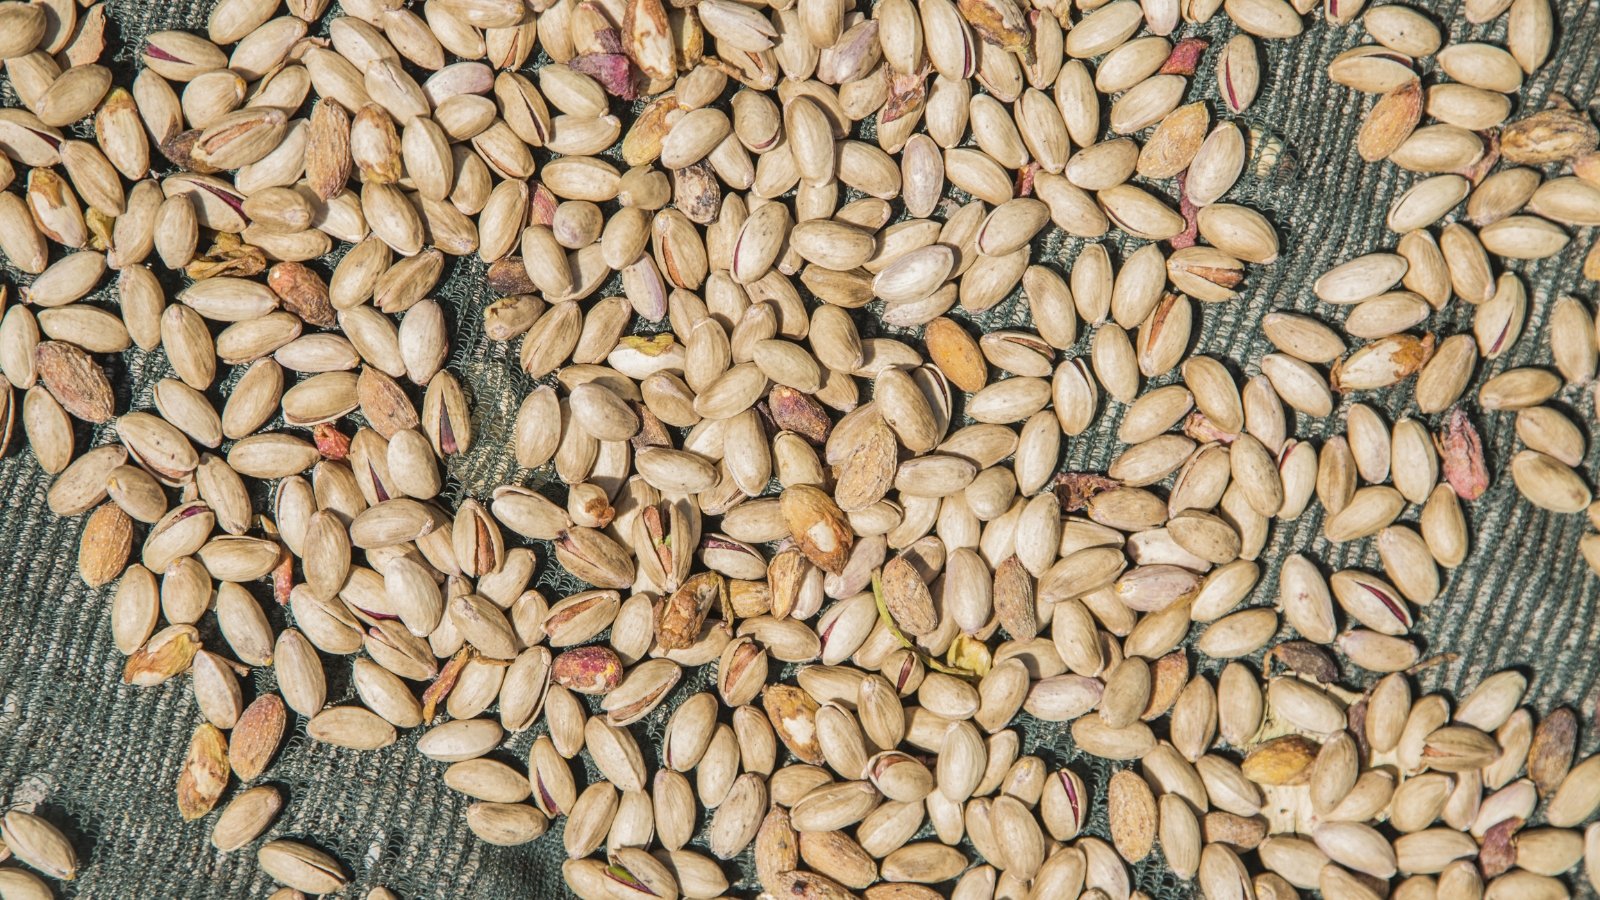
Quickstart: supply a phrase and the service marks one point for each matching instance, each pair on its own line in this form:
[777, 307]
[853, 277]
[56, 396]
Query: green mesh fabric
[100, 758]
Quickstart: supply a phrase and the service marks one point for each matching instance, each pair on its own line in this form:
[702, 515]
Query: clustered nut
[733, 499]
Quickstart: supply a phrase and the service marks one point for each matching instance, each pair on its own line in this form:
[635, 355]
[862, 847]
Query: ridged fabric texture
[101, 758]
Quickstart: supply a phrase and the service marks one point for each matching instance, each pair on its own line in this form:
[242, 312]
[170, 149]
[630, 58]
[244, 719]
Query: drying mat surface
[101, 757]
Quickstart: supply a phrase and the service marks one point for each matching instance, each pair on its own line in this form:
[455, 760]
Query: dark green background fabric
[100, 758]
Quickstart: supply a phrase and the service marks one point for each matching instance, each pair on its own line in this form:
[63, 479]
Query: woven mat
[100, 758]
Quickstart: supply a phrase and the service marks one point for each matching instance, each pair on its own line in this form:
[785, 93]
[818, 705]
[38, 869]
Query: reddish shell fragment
[1025, 176]
[1499, 851]
[1190, 235]
[542, 206]
[331, 442]
[1461, 456]
[444, 682]
[1485, 163]
[1185, 57]
[800, 413]
[588, 670]
[614, 71]
[151, 50]
[283, 579]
